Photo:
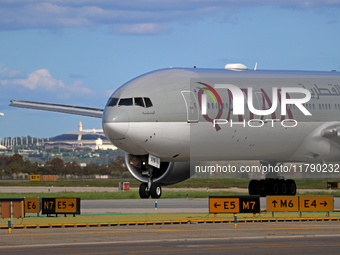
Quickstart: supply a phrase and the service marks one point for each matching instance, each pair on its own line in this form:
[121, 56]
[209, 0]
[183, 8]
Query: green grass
[69, 183]
[133, 194]
[190, 183]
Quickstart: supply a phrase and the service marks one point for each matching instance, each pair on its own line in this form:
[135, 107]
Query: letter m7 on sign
[234, 204]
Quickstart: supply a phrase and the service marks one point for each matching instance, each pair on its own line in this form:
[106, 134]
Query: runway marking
[236, 248]
[77, 248]
[100, 253]
[197, 249]
[208, 248]
[300, 245]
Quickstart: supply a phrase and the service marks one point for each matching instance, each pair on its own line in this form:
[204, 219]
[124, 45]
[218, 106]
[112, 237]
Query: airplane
[169, 120]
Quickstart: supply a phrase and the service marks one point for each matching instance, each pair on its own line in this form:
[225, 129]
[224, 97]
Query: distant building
[2, 147]
[82, 138]
[22, 152]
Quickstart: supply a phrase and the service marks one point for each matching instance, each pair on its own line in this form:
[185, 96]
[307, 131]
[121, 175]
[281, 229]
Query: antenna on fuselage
[236, 67]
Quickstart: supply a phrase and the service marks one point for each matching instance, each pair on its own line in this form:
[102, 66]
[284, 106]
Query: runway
[254, 238]
[141, 206]
[190, 237]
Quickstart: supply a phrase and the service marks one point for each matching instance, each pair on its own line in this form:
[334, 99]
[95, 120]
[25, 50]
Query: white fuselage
[174, 128]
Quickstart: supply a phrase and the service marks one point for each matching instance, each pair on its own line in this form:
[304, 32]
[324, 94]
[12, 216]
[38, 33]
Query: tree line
[15, 164]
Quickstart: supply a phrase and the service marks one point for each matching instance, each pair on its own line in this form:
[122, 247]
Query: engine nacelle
[169, 172]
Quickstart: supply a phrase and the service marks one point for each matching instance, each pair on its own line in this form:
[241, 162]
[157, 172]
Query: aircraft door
[192, 106]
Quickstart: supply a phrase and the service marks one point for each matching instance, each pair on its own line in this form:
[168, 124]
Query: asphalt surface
[140, 206]
[251, 238]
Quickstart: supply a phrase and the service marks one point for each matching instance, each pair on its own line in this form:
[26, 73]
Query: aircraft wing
[77, 110]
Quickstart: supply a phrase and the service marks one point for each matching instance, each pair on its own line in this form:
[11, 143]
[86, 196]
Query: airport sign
[35, 177]
[316, 204]
[32, 205]
[60, 206]
[66, 205]
[282, 204]
[234, 204]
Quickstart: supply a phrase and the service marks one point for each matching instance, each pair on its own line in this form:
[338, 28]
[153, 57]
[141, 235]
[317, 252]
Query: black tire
[291, 185]
[155, 190]
[252, 187]
[263, 187]
[144, 191]
[274, 188]
[283, 188]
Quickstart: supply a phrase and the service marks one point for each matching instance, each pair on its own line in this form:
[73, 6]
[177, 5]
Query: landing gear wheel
[291, 185]
[283, 187]
[252, 187]
[144, 191]
[262, 188]
[155, 190]
[274, 187]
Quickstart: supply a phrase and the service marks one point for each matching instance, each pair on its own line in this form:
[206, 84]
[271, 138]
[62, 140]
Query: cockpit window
[148, 102]
[139, 101]
[125, 101]
[112, 101]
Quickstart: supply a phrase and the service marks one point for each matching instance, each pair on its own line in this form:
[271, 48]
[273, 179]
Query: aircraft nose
[115, 123]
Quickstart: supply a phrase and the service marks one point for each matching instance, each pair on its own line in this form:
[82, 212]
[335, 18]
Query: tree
[90, 169]
[56, 166]
[73, 168]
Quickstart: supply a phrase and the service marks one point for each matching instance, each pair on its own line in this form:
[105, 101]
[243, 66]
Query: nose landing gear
[150, 188]
[155, 190]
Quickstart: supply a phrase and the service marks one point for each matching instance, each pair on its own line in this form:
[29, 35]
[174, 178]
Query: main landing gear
[270, 186]
[274, 184]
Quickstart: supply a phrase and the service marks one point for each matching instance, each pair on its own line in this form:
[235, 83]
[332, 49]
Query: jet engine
[168, 173]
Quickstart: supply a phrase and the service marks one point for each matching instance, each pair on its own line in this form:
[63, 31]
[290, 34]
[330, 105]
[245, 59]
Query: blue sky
[79, 52]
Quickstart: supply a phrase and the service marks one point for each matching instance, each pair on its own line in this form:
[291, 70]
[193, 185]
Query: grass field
[184, 188]
[133, 194]
[190, 183]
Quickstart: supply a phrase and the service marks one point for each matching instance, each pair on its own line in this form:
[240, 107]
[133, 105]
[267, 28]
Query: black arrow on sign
[72, 205]
[274, 202]
[324, 203]
[216, 204]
